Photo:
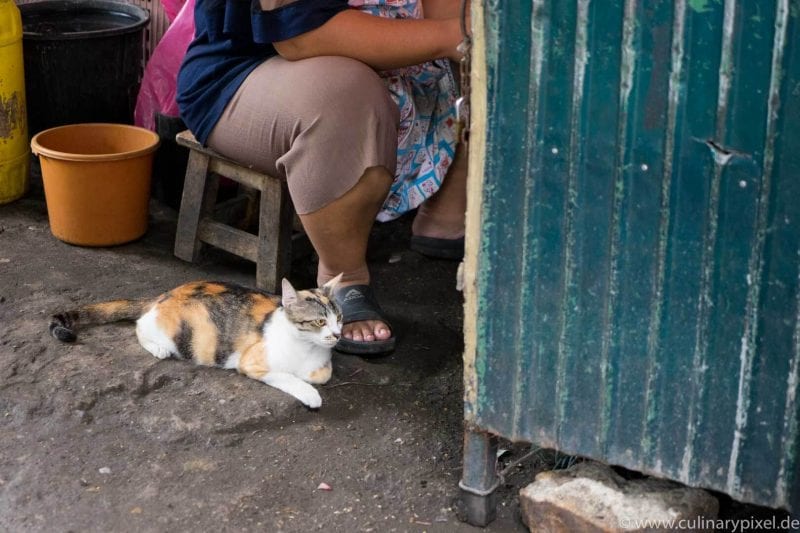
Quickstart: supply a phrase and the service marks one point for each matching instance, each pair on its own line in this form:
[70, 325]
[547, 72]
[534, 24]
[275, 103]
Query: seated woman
[293, 88]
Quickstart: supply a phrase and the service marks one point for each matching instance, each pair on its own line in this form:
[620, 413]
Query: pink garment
[171, 8]
[159, 83]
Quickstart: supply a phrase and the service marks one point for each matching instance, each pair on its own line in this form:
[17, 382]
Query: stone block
[590, 497]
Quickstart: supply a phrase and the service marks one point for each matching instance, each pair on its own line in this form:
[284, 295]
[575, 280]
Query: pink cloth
[171, 8]
[159, 82]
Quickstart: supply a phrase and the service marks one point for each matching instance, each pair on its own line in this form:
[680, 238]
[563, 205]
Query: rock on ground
[590, 497]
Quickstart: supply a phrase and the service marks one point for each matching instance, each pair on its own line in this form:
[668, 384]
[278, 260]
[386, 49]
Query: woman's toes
[349, 332]
[366, 331]
[382, 332]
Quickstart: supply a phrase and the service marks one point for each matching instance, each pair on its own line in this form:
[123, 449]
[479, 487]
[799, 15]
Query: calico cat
[283, 342]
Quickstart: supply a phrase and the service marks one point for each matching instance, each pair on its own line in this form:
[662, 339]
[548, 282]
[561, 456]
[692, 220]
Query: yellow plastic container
[14, 154]
[96, 181]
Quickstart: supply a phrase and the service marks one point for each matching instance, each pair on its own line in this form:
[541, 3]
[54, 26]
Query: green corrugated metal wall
[639, 261]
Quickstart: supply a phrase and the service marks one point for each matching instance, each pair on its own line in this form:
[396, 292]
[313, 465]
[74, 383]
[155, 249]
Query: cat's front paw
[295, 386]
[310, 398]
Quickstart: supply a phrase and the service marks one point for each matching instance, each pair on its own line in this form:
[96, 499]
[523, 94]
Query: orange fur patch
[168, 317]
[321, 375]
[245, 342]
[186, 290]
[261, 307]
[204, 333]
[213, 289]
[109, 308]
[252, 362]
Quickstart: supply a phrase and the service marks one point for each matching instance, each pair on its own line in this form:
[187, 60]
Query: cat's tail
[63, 325]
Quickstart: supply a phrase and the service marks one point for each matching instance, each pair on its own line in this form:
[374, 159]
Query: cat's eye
[318, 323]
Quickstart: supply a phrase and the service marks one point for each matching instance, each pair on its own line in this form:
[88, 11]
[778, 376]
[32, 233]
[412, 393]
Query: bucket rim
[40, 150]
[141, 15]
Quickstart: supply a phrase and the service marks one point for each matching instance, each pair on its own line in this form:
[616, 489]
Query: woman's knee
[348, 124]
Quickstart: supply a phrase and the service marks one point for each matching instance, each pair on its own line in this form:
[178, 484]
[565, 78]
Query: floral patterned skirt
[426, 96]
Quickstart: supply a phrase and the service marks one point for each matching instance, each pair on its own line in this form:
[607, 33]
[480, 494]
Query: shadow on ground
[100, 436]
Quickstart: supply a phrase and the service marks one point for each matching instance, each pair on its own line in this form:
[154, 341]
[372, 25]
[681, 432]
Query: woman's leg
[339, 233]
[442, 215]
[327, 125]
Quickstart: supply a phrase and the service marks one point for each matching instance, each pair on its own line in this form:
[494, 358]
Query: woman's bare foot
[363, 330]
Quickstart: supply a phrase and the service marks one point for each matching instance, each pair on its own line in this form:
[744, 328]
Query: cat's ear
[288, 294]
[330, 286]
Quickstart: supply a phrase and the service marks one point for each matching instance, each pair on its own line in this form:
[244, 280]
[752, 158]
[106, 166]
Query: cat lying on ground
[285, 343]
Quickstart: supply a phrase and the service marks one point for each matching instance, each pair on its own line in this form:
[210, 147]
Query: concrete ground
[101, 436]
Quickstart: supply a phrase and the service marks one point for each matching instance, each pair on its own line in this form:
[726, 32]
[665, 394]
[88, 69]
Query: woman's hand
[449, 9]
[457, 54]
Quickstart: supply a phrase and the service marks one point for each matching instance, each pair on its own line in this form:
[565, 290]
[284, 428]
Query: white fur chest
[287, 350]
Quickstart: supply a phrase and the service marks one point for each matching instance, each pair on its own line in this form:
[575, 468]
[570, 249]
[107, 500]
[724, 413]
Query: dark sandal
[452, 249]
[357, 303]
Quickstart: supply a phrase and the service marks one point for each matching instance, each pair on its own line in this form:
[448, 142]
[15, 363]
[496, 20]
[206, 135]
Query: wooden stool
[270, 249]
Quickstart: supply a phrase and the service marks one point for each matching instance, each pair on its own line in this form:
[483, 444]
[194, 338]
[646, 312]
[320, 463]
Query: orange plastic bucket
[96, 181]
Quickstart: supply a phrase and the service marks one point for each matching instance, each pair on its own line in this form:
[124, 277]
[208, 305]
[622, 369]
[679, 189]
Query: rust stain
[11, 115]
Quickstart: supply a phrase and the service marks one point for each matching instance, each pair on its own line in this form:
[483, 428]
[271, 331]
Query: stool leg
[286, 232]
[199, 196]
[272, 241]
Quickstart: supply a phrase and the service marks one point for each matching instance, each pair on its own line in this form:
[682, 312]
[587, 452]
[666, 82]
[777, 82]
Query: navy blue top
[231, 38]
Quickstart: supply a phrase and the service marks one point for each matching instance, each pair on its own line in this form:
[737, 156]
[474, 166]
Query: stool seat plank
[238, 173]
[186, 138]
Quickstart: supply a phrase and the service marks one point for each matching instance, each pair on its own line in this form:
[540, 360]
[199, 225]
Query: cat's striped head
[314, 312]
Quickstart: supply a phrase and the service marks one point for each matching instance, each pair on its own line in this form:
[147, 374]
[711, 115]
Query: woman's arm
[379, 42]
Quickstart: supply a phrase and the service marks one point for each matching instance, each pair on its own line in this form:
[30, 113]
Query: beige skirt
[318, 123]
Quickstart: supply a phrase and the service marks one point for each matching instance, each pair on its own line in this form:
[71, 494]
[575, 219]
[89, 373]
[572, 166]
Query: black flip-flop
[452, 249]
[357, 303]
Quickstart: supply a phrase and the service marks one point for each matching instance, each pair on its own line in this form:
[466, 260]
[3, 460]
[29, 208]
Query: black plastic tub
[83, 61]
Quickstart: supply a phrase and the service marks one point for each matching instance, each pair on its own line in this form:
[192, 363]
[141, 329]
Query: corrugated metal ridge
[575, 144]
[704, 302]
[773, 109]
[788, 466]
[530, 241]
[656, 309]
[627, 71]
[755, 267]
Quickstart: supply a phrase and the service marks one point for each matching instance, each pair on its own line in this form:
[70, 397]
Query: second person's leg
[442, 215]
